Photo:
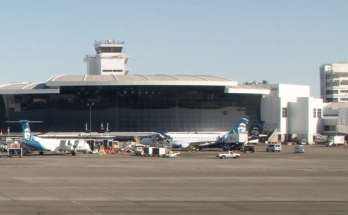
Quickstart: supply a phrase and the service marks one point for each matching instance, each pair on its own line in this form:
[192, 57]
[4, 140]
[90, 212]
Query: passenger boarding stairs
[272, 135]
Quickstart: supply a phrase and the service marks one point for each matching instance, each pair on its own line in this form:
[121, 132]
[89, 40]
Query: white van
[273, 148]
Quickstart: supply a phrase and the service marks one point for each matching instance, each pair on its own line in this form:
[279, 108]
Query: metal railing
[109, 42]
[273, 137]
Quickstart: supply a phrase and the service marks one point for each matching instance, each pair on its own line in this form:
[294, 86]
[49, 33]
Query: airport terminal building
[111, 98]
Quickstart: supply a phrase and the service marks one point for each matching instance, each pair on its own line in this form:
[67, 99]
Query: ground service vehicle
[298, 149]
[139, 151]
[273, 148]
[228, 154]
[249, 148]
[335, 141]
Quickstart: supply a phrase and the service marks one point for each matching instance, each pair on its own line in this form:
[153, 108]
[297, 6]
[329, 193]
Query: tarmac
[314, 182]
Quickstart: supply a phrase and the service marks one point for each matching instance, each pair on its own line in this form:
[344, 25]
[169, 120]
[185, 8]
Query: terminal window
[173, 108]
[330, 128]
[108, 70]
[284, 112]
[331, 91]
[319, 113]
[314, 112]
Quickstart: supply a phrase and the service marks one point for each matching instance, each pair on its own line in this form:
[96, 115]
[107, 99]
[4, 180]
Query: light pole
[90, 118]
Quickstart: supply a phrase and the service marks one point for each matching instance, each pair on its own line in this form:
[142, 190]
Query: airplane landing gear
[73, 153]
[41, 153]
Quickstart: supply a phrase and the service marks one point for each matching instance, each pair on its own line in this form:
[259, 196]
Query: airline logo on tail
[256, 129]
[241, 127]
[29, 139]
[26, 130]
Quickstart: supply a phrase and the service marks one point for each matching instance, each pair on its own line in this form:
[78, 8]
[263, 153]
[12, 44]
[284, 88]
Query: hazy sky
[281, 41]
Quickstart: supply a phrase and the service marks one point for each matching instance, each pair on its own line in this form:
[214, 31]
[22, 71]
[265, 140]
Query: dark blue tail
[256, 129]
[241, 127]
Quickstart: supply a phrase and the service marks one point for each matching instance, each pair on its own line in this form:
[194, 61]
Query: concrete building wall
[334, 82]
[283, 120]
[298, 116]
[93, 66]
[111, 64]
[291, 92]
[270, 112]
[340, 67]
[300, 120]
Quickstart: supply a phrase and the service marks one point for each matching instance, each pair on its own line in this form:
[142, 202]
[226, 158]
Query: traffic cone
[125, 154]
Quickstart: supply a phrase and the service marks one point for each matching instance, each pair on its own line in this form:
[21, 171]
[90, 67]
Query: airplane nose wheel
[41, 153]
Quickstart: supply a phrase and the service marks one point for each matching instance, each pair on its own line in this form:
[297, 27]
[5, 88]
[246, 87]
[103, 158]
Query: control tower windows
[118, 70]
[108, 50]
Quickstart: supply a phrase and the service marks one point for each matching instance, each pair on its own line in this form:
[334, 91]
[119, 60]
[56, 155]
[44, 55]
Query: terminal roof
[26, 88]
[101, 80]
[54, 83]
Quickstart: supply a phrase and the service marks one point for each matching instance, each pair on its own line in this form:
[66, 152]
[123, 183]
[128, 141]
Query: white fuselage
[56, 145]
[182, 140]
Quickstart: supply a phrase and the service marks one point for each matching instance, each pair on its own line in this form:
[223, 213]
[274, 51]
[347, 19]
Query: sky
[280, 41]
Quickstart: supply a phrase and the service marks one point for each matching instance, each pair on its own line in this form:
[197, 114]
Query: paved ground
[194, 183]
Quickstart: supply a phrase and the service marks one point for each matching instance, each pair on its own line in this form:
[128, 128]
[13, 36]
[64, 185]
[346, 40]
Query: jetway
[237, 138]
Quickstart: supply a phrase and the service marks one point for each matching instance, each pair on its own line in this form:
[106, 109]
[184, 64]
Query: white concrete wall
[298, 116]
[316, 124]
[270, 112]
[329, 111]
[340, 67]
[299, 122]
[283, 120]
[112, 64]
[293, 91]
[343, 116]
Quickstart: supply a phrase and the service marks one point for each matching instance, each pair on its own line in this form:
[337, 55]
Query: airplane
[187, 140]
[54, 145]
[253, 137]
[255, 130]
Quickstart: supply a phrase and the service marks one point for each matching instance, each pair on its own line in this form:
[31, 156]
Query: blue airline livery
[197, 140]
[48, 144]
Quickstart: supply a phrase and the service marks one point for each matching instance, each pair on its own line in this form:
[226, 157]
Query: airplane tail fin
[256, 129]
[28, 137]
[241, 126]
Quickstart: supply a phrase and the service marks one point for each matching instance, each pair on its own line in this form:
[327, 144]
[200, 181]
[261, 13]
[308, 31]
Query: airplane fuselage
[182, 140]
[56, 145]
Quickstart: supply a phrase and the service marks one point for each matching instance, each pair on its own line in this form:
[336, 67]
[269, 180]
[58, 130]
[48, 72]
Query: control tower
[108, 60]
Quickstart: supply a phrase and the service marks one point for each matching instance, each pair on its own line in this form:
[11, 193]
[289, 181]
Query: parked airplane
[254, 134]
[256, 130]
[184, 141]
[54, 145]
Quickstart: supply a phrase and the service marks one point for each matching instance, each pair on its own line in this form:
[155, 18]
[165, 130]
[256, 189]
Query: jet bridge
[237, 138]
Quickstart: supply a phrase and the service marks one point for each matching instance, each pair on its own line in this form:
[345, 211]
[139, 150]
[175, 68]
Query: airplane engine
[184, 145]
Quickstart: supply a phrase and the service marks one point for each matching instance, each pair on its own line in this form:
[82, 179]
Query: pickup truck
[229, 154]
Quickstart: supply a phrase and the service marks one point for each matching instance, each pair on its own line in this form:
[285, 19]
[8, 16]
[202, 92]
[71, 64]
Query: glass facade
[136, 109]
